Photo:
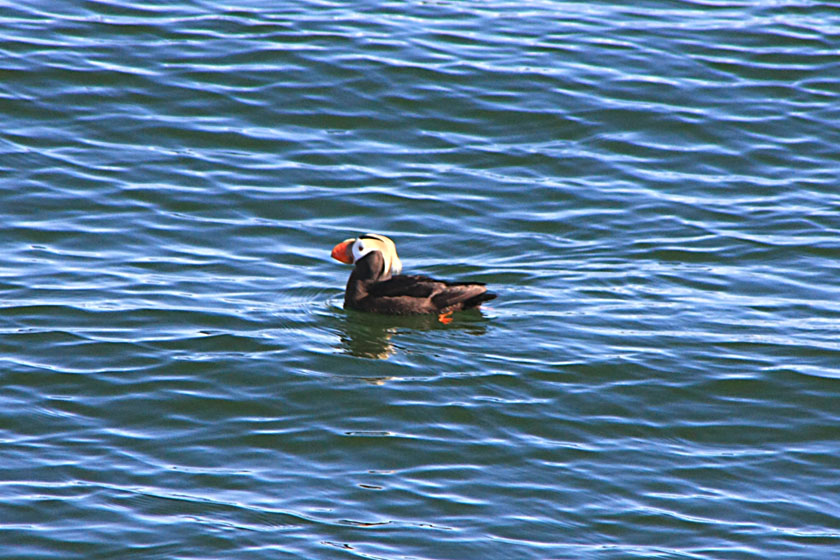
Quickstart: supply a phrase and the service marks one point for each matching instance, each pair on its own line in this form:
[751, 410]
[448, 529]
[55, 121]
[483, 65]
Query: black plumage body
[370, 288]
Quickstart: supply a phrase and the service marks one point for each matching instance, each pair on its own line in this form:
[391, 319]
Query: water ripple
[653, 198]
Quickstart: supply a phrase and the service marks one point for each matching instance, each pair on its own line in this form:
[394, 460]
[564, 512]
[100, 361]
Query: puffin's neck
[368, 270]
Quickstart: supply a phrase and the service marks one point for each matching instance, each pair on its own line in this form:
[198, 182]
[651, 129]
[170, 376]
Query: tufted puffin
[376, 283]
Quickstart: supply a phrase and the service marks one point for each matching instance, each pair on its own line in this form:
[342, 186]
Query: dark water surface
[652, 189]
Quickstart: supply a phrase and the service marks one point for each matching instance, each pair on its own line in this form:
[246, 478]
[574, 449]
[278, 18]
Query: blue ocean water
[651, 189]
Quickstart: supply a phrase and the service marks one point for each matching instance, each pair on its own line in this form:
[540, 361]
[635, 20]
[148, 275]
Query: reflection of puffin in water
[376, 285]
[379, 336]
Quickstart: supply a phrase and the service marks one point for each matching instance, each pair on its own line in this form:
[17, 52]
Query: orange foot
[445, 318]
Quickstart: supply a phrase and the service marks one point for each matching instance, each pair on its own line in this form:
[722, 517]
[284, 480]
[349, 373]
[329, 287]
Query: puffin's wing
[466, 293]
[405, 285]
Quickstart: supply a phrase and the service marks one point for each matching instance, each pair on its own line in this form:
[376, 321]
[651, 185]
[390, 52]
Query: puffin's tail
[478, 300]
[462, 295]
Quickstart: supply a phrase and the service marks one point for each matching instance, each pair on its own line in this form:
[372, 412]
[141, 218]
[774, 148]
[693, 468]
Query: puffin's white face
[351, 250]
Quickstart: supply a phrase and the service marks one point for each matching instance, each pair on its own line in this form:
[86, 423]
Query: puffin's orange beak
[343, 252]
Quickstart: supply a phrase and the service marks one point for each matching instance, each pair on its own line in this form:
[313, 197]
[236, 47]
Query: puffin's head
[351, 250]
